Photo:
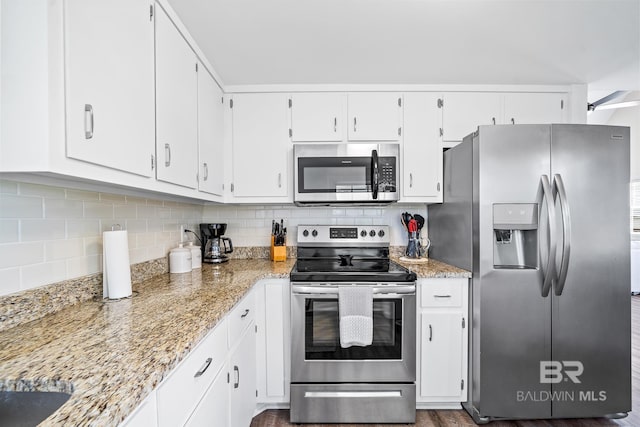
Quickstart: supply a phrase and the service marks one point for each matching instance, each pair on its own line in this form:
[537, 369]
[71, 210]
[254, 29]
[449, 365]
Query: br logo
[554, 372]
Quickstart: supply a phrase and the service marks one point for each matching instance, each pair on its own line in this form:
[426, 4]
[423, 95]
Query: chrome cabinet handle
[206, 365]
[493, 119]
[551, 215]
[430, 333]
[442, 296]
[410, 180]
[246, 312]
[513, 121]
[335, 124]
[167, 155]
[236, 373]
[88, 124]
[438, 187]
[280, 180]
[354, 124]
[206, 171]
[566, 234]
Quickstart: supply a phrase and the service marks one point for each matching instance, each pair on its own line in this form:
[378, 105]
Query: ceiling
[264, 42]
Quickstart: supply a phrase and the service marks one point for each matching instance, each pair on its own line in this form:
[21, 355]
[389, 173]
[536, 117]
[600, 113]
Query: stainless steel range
[333, 381]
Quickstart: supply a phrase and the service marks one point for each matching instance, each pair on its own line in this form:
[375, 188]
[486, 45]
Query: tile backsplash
[50, 234]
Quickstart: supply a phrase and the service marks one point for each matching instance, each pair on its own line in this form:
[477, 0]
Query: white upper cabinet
[210, 134]
[374, 116]
[176, 106]
[463, 112]
[422, 148]
[534, 108]
[317, 117]
[261, 148]
[109, 83]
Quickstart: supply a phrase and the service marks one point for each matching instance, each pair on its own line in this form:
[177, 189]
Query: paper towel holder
[113, 227]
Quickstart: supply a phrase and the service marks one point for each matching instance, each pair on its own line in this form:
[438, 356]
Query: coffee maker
[214, 246]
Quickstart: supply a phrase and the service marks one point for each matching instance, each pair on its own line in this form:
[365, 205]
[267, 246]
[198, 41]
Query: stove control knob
[314, 233]
[381, 233]
[372, 233]
[363, 233]
[305, 233]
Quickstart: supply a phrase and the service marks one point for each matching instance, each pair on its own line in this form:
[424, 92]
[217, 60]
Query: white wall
[49, 234]
[251, 225]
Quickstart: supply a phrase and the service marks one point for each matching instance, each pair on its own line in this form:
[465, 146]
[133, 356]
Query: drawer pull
[430, 333]
[236, 372]
[206, 365]
[246, 312]
[442, 296]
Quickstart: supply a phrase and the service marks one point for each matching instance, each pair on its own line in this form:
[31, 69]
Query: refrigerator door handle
[566, 234]
[553, 242]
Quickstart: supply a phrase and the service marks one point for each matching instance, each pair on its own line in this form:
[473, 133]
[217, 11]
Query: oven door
[366, 173]
[315, 341]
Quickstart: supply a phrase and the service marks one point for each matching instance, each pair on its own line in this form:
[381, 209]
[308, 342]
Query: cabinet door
[176, 105]
[261, 147]
[422, 148]
[374, 116]
[462, 113]
[441, 362]
[242, 365]
[109, 83]
[213, 409]
[210, 134]
[145, 415]
[316, 117]
[273, 341]
[534, 108]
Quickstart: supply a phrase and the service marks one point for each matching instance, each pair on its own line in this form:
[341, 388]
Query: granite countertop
[111, 354]
[428, 268]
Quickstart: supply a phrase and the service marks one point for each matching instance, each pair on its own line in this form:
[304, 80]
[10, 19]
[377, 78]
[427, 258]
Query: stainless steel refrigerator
[540, 215]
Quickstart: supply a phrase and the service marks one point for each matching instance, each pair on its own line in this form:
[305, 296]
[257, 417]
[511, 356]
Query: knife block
[278, 253]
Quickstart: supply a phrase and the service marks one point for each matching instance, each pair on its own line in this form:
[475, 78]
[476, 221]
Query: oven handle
[333, 290]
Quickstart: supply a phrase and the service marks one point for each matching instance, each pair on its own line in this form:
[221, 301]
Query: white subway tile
[98, 210]
[132, 200]
[136, 225]
[62, 208]
[115, 198]
[20, 206]
[125, 211]
[92, 246]
[62, 249]
[9, 230]
[337, 212]
[18, 254]
[145, 239]
[27, 189]
[43, 274]
[146, 212]
[83, 228]
[155, 202]
[8, 187]
[155, 252]
[42, 229]
[354, 212]
[163, 213]
[9, 281]
[82, 266]
[82, 195]
[155, 225]
[138, 255]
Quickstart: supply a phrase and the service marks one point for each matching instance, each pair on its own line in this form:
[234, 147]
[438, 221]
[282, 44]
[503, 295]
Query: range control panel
[340, 235]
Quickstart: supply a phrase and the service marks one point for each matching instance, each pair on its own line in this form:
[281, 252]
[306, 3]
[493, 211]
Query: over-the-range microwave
[338, 174]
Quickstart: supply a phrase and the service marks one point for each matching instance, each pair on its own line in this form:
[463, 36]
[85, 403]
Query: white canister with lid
[196, 255]
[180, 259]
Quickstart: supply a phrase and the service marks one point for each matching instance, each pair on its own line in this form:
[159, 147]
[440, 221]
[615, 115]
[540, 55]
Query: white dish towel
[356, 315]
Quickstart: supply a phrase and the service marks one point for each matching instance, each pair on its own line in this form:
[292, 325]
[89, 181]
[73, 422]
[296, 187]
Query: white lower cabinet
[213, 409]
[242, 396]
[145, 415]
[442, 343]
[273, 342]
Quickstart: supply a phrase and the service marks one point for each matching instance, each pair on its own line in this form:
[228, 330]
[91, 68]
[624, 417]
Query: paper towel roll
[116, 277]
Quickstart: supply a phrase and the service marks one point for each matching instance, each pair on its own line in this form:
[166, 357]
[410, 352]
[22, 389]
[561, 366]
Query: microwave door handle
[375, 177]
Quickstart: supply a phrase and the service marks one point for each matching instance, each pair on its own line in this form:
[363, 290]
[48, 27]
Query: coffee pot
[214, 246]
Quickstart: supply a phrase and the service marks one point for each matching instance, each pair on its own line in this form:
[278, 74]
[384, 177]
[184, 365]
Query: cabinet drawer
[241, 317]
[179, 394]
[441, 293]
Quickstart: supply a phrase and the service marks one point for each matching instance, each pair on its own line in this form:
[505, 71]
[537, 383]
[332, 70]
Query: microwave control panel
[387, 170]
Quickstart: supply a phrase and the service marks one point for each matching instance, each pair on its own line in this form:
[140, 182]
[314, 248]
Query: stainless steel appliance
[346, 173]
[372, 383]
[540, 214]
[214, 246]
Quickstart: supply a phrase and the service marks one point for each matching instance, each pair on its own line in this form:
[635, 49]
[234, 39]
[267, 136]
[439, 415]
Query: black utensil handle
[375, 176]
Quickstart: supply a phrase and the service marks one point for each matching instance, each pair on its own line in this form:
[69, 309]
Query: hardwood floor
[459, 418]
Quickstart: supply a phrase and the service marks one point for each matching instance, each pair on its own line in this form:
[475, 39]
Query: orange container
[278, 253]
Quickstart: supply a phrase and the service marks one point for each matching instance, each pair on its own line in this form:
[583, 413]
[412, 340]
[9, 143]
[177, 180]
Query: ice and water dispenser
[515, 235]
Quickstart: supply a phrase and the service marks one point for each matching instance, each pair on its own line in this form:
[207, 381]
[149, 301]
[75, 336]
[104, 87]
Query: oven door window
[322, 332]
[334, 174]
